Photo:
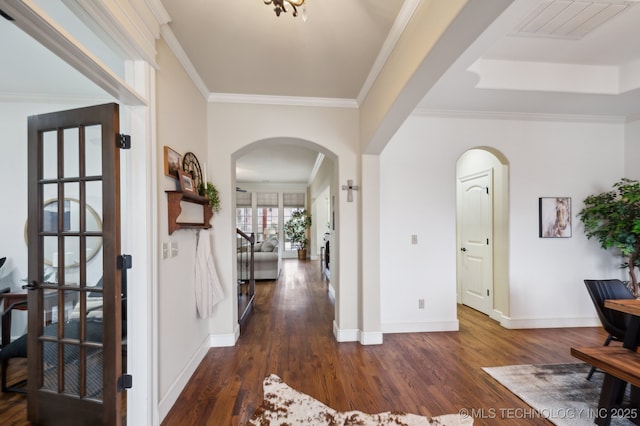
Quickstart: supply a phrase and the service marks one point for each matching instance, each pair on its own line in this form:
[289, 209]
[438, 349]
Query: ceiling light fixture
[279, 5]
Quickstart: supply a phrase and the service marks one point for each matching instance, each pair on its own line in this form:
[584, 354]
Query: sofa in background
[266, 258]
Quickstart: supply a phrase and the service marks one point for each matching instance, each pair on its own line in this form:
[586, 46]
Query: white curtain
[208, 288]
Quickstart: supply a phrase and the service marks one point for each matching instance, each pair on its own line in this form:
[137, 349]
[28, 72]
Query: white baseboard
[351, 335]
[371, 338]
[516, 323]
[420, 327]
[170, 398]
[224, 340]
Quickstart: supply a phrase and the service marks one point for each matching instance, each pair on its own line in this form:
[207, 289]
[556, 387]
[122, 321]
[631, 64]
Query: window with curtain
[290, 203]
[267, 212]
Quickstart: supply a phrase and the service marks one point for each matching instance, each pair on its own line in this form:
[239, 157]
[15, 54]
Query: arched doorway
[269, 176]
[482, 199]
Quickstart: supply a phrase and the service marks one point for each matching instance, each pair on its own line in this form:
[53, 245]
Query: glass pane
[50, 245]
[50, 215]
[51, 312]
[94, 262]
[71, 254]
[72, 369]
[72, 207]
[95, 365]
[94, 317]
[71, 152]
[49, 192]
[49, 155]
[71, 308]
[94, 202]
[93, 150]
[267, 223]
[50, 366]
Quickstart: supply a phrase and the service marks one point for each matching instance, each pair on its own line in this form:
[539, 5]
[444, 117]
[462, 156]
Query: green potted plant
[296, 228]
[211, 192]
[613, 218]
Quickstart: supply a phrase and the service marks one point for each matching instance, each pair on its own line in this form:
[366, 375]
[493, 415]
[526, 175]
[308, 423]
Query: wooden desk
[631, 307]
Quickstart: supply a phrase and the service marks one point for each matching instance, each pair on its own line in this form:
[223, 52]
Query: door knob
[33, 285]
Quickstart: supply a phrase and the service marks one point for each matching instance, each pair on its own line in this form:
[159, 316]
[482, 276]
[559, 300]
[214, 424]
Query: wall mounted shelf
[173, 202]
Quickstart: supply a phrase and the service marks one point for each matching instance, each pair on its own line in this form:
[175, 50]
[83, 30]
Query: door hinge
[487, 188]
[124, 261]
[124, 141]
[487, 241]
[487, 292]
[125, 382]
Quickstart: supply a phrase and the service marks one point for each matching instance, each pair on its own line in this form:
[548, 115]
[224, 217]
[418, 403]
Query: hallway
[290, 334]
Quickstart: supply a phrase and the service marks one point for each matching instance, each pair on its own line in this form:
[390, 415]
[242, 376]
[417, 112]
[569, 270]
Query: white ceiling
[243, 48]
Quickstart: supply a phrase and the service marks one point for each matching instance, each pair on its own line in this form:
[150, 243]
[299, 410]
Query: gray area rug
[284, 405]
[559, 392]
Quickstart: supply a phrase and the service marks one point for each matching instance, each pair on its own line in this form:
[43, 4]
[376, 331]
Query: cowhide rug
[284, 405]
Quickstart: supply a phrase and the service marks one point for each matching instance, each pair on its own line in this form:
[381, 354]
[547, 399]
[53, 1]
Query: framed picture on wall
[554, 217]
[172, 163]
[186, 183]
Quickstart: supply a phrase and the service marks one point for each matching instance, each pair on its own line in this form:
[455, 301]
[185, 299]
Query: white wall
[546, 276]
[182, 335]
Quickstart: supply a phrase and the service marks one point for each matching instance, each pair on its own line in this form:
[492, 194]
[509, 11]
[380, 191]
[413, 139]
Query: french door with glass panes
[75, 289]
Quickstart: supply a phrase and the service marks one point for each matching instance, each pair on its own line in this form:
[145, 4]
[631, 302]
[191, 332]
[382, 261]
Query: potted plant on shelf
[296, 228]
[211, 192]
[613, 218]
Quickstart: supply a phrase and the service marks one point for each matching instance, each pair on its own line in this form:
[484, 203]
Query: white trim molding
[371, 338]
[351, 335]
[518, 323]
[420, 327]
[224, 340]
[235, 98]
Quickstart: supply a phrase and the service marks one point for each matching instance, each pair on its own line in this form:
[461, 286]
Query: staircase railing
[246, 274]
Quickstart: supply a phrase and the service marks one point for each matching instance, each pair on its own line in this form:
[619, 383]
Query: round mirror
[71, 223]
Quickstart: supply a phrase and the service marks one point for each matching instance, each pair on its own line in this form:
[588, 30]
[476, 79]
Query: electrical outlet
[420, 303]
[414, 239]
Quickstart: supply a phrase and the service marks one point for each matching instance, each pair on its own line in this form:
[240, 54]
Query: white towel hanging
[209, 291]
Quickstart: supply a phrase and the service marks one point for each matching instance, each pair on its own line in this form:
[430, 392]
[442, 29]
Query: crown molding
[525, 116]
[405, 14]
[282, 100]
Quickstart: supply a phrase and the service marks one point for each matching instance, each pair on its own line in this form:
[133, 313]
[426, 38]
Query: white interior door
[476, 234]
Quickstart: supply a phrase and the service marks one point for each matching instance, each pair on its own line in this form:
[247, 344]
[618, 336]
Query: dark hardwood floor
[290, 334]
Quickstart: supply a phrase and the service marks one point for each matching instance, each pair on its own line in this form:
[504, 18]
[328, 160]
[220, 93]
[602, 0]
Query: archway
[321, 183]
[491, 164]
